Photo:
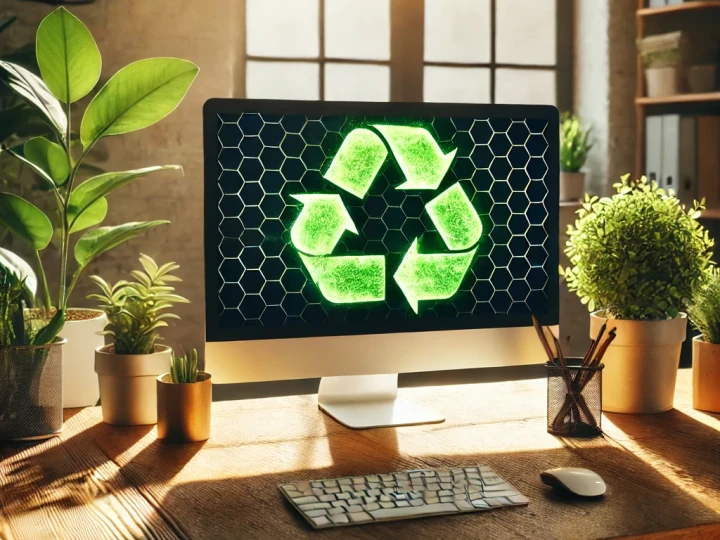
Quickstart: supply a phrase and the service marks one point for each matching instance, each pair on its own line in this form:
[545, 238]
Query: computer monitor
[356, 241]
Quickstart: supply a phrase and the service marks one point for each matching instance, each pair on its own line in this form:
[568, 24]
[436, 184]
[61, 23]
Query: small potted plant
[662, 58]
[127, 368]
[636, 258]
[184, 400]
[31, 357]
[40, 137]
[574, 149]
[704, 312]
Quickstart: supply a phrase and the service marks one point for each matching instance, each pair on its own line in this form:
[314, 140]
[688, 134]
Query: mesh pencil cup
[574, 399]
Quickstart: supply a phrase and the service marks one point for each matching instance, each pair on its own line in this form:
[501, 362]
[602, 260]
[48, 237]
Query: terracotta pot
[641, 364]
[706, 375]
[662, 81]
[128, 393]
[572, 186]
[183, 409]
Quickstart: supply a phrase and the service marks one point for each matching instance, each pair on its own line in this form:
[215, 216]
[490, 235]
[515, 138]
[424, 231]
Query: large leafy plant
[639, 254]
[574, 143]
[137, 96]
[137, 310]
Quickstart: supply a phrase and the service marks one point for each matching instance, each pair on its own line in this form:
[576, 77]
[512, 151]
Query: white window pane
[525, 86]
[282, 80]
[357, 30]
[456, 85]
[281, 28]
[526, 32]
[457, 31]
[357, 82]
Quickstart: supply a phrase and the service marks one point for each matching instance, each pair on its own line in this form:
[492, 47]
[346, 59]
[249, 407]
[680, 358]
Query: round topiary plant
[637, 255]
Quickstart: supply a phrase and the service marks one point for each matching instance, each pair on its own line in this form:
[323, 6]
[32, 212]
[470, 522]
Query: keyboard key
[332, 490]
[442, 493]
[441, 508]
[318, 492]
[519, 499]
[339, 518]
[316, 513]
[354, 509]
[320, 521]
[304, 507]
[497, 501]
[302, 486]
[336, 511]
[327, 498]
[359, 517]
[498, 487]
[387, 504]
[305, 500]
[416, 502]
[464, 505]
[345, 481]
[480, 503]
[339, 504]
[402, 504]
[316, 506]
[371, 506]
[447, 499]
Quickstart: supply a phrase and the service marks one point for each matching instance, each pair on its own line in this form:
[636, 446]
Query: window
[469, 51]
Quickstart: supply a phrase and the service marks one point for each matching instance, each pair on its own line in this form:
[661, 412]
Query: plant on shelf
[637, 257]
[136, 97]
[704, 313]
[184, 369]
[30, 394]
[184, 400]
[136, 311]
[574, 143]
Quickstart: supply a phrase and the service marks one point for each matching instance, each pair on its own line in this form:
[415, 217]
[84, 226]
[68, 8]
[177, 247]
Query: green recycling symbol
[345, 279]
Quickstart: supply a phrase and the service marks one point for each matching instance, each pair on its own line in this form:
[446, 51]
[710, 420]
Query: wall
[125, 31]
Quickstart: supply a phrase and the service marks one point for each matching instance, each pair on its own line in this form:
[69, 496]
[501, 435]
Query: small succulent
[574, 143]
[137, 310]
[184, 369]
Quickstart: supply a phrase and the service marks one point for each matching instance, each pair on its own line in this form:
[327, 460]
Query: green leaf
[33, 89]
[91, 216]
[20, 269]
[68, 57]
[104, 239]
[137, 96]
[48, 156]
[93, 189]
[25, 220]
[37, 170]
[50, 331]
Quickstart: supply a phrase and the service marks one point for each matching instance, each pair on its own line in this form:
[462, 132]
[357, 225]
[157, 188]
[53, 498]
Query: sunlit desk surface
[97, 481]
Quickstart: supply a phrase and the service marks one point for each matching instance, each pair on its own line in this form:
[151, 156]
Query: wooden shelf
[686, 6]
[708, 97]
[710, 213]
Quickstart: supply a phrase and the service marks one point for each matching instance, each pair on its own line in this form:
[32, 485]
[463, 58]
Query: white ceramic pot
[572, 186]
[702, 78]
[128, 388]
[706, 375]
[641, 364]
[661, 81]
[80, 385]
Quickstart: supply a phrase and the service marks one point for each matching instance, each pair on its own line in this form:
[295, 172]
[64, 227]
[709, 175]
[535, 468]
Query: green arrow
[432, 276]
[320, 224]
[348, 279]
[455, 218]
[358, 162]
[419, 156]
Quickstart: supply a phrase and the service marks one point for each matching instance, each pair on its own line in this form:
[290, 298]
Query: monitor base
[370, 401]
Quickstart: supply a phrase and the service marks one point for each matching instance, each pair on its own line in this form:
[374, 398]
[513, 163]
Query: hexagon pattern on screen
[267, 160]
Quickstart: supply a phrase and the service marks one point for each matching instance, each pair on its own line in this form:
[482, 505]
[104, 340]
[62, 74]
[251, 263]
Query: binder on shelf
[653, 148]
[679, 156]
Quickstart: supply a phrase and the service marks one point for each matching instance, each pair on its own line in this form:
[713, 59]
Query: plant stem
[74, 281]
[43, 278]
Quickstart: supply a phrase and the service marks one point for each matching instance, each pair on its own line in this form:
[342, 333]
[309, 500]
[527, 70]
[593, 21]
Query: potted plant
[137, 96]
[184, 397]
[636, 258]
[31, 357]
[704, 312]
[128, 367]
[574, 149]
[662, 57]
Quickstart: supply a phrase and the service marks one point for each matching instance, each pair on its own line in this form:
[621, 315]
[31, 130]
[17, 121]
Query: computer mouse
[582, 482]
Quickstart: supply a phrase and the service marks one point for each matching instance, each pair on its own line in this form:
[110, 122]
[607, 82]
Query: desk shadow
[159, 462]
[71, 470]
[640, 500]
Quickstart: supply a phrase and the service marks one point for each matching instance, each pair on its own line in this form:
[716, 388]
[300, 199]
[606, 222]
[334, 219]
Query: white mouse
[582, 482]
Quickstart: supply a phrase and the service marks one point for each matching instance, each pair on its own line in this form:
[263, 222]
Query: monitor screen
[335, 219]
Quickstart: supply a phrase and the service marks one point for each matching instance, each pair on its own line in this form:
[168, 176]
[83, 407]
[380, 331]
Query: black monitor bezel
[216, 106]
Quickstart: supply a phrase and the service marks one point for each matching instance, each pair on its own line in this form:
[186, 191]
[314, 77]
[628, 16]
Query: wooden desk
[96, 481]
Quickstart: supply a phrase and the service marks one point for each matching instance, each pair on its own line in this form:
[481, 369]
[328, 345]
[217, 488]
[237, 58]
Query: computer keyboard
[402, 495]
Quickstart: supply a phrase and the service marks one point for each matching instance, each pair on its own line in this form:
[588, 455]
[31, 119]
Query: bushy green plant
[704, 307]
[639, 254]
[136, 310]
[574, 143]
[184, 369]
[137, 96]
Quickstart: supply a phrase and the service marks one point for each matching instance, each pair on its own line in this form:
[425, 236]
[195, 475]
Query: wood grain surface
[98, 481]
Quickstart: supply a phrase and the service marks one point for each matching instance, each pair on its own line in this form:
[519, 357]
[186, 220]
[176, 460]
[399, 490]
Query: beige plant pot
[706, 375]
[572, 186]
[183, 409]
[641, 364]
[661, 81]
[80, 386]
[128, 392]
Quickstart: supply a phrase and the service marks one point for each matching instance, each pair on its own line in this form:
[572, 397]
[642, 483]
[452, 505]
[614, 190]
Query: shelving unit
[700, 104]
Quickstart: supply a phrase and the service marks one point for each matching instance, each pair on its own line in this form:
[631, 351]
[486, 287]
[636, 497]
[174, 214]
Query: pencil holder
[574, 399]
